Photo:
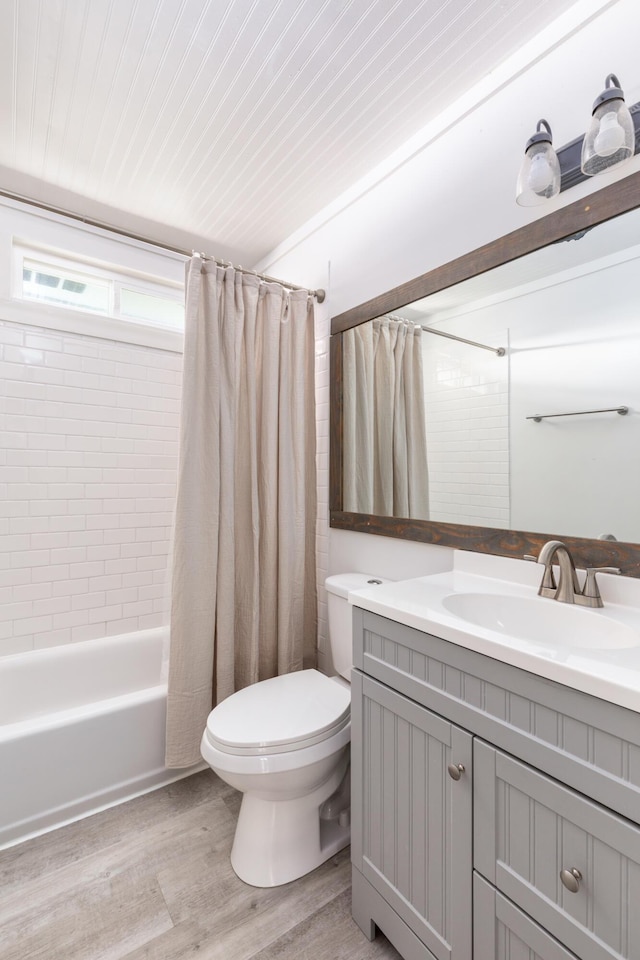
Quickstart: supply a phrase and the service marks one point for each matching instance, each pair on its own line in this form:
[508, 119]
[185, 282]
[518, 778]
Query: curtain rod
[499, 351]
[320, 295]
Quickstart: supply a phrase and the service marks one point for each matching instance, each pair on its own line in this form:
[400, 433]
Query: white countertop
[609, 672]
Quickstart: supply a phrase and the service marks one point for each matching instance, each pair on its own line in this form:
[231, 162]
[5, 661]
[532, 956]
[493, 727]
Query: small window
[103, 290]
[65, 289]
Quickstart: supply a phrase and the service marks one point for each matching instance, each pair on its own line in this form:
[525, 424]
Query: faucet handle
[548, 587]
[591, 592]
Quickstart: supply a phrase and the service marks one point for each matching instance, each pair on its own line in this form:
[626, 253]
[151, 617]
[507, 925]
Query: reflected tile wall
[467, 404]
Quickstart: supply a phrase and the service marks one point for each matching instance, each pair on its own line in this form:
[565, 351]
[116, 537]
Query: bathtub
[82, 727]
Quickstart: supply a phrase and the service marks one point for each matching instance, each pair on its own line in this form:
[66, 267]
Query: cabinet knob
[455, 770]
[571, 879]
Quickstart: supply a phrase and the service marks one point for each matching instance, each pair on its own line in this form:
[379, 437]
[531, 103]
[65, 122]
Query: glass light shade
[539, 177]
[610, 139]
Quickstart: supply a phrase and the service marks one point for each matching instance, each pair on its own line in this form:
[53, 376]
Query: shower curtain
[385, 447]
[243, 585]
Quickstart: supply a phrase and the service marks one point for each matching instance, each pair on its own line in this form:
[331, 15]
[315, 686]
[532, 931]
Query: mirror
[534, 425]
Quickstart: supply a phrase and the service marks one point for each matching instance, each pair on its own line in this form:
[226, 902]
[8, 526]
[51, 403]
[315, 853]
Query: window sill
[89, 325]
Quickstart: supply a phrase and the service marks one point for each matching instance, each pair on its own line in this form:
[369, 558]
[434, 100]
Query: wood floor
[151, 880]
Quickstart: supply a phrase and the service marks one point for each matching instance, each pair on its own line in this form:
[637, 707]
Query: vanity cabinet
[408, 805]
[475, 786]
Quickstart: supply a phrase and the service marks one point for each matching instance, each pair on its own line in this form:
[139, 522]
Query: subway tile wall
[88, 459]
[467, 403]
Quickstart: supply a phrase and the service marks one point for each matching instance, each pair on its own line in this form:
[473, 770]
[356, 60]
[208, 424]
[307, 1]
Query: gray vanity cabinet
[411, 839]
[483, 791]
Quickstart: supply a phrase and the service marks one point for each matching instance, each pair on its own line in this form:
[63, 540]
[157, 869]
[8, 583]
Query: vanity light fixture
[610, 139]
[539, 177]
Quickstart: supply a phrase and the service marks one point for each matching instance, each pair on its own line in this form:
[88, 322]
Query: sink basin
[543, 622]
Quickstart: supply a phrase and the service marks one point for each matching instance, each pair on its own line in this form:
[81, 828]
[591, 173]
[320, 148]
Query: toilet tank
[340, 615]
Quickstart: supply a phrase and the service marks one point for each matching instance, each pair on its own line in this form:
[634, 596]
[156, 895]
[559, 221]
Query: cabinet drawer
[586, 743]
[503, 932]
[528, 828]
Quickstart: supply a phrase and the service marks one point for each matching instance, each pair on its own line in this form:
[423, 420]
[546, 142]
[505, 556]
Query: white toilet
[284, 743]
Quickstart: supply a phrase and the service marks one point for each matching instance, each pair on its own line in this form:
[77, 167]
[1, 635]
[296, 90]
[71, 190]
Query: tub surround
[89, 453]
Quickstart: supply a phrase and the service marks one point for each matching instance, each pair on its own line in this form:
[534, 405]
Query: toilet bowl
[284, 742]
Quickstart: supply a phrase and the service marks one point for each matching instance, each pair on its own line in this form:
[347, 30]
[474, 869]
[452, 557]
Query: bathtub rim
[84, 647]
[58, 719]
[35, 668]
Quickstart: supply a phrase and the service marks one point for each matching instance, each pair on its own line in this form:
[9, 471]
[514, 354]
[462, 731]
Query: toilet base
[278, 841]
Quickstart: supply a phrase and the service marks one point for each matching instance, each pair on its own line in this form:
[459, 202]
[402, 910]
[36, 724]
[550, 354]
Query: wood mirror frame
[612, 201]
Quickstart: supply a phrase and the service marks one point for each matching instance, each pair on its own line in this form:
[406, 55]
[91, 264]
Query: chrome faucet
[568, 590]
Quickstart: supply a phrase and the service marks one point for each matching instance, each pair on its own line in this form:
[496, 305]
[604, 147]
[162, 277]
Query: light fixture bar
[570, 155]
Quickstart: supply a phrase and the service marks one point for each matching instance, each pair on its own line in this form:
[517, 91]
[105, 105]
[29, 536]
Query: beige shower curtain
[385, 448]
[243, 587]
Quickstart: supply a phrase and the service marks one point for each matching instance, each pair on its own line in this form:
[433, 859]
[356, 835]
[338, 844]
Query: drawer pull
[455, 770]
[571, 879]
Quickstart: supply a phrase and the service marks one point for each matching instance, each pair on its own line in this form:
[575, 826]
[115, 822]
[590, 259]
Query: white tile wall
[88, 458]
[467, 403]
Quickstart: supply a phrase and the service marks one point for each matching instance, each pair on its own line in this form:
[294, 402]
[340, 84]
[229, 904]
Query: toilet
[284, 743]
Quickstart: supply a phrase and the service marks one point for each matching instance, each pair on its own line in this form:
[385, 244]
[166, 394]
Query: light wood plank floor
[151, 880]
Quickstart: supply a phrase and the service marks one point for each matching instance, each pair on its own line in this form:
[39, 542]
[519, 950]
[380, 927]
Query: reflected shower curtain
[385, 447]
[243, 587]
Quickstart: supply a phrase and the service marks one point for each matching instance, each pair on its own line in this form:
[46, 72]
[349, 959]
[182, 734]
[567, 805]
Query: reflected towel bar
[578, 413]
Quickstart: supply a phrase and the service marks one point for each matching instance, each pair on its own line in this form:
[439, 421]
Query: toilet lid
[291, 711]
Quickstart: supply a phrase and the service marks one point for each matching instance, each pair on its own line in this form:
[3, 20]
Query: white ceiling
[231, 121]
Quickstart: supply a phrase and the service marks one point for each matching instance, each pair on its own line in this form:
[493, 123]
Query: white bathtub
[82, 726]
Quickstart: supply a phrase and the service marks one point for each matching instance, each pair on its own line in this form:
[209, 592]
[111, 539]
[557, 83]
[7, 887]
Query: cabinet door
[569, 863]
[411, 835]
[502, 932]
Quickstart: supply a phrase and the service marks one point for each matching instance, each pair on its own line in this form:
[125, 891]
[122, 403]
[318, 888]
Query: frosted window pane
[158, 310]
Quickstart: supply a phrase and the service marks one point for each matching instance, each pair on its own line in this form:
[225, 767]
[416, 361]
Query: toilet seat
[280, 715]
